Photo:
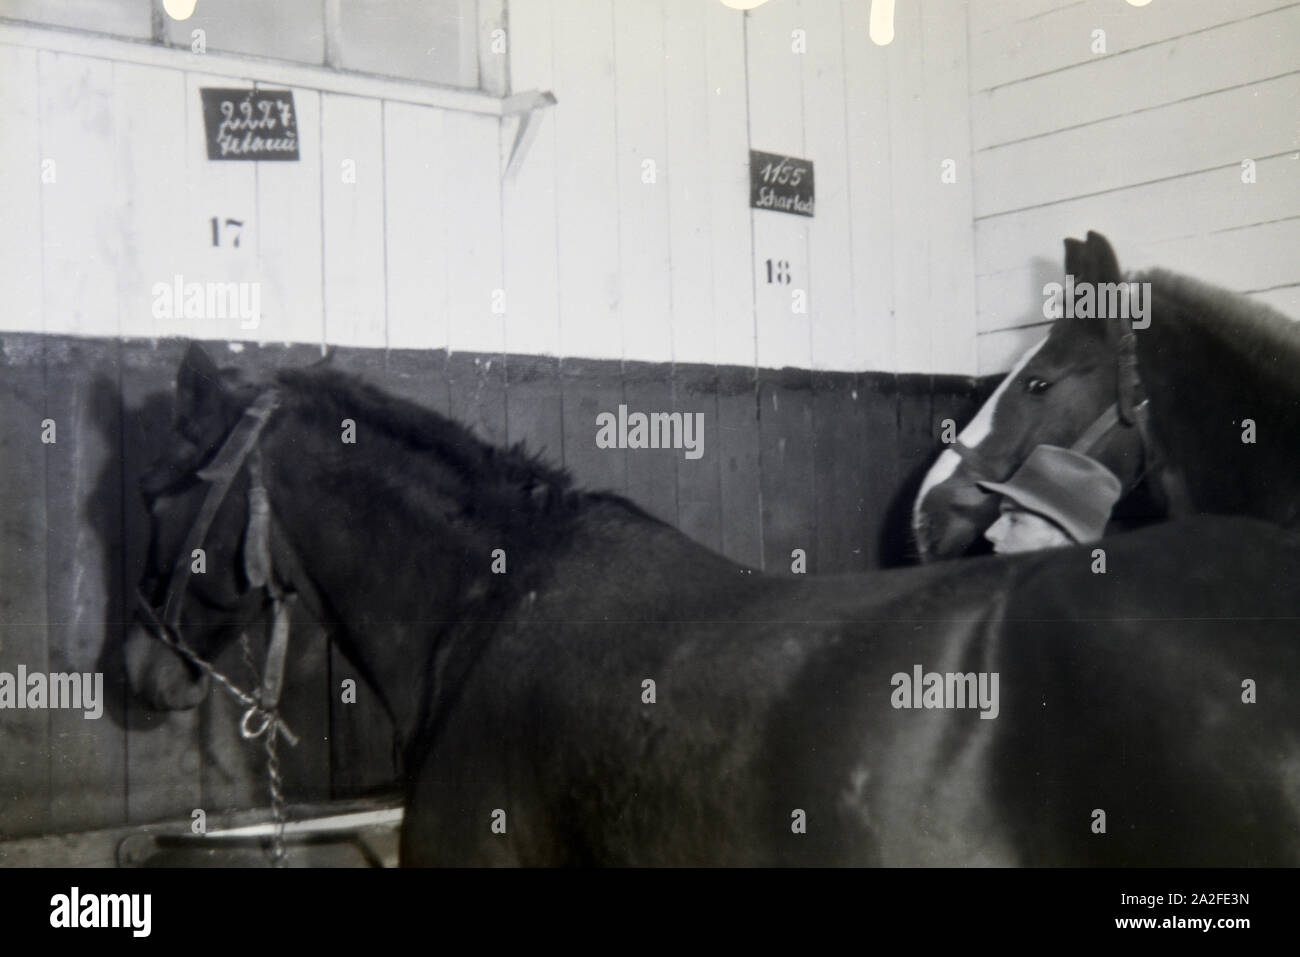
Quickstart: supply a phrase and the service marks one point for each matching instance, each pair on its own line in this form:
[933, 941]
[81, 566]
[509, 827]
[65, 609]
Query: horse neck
[647, 571]
[390, 589]
[1203, 378]
[410, 602]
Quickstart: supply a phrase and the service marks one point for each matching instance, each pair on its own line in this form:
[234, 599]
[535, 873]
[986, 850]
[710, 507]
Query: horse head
[196, 587]
[1076, 388]
[387, 520]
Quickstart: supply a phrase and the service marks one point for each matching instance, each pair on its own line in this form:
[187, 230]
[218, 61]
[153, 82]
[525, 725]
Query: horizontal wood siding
[1145, 143]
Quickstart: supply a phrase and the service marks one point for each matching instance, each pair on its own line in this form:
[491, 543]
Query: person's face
[1019, 531]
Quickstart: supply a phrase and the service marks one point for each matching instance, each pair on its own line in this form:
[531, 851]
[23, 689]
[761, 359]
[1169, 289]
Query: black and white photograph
[728, 434]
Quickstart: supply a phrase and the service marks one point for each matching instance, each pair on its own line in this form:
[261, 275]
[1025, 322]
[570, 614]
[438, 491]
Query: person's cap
[1069, 488]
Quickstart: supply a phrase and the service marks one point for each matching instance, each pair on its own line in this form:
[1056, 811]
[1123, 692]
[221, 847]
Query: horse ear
[1093, 262]
[1075, 257]
[1103, 264]
[1104, 268]
[203, 404]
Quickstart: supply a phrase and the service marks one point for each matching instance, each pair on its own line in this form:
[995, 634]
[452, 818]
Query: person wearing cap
[1057, 497]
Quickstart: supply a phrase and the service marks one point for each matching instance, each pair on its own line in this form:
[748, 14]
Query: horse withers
[1195, 406]
[622, 695]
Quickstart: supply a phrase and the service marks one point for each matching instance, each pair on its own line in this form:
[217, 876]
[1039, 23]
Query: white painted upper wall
[628, 228]
[386, 231]
[1144, 143]
[624, 231]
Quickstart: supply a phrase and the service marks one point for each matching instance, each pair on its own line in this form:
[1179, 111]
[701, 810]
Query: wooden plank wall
[569, 255]
[623, 233]
[386, 232]
[627, 228]
[827, 462]
[1143, 143]
[521, 305]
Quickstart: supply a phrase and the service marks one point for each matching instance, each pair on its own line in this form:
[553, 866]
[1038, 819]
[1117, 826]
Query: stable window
[433, 41]
[426, 41]
[120, 18]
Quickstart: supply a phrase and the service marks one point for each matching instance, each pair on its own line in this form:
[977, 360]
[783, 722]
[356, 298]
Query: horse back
[765, 724]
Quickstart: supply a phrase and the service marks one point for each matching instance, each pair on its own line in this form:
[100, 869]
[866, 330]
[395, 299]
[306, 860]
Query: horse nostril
[188, 694]
[160, 677]
[135, 648]
[969, 497]
[953, 520]
[958, 537]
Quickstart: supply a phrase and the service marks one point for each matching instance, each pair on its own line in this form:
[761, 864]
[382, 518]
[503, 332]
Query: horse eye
[1037, 386]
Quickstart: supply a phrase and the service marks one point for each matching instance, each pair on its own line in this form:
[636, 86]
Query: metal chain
[278, 856]
[262, 714]
[272, 727]
[158, 631]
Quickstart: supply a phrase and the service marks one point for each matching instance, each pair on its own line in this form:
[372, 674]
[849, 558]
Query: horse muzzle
[159, 676]
[951, 518]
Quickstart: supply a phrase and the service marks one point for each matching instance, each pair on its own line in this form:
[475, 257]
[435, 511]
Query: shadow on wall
[108, 513]
[178, 761]
[173, 762]
[114, 404]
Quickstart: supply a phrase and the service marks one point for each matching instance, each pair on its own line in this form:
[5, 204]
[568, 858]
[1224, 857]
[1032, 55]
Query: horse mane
[512, 484]
[1253, 327]
[507, 492]
[489, 472]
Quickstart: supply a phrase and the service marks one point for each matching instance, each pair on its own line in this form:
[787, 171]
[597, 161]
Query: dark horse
[1165, 407]
[621, 695]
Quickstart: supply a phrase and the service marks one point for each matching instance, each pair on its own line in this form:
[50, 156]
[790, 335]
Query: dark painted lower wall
[826, 462]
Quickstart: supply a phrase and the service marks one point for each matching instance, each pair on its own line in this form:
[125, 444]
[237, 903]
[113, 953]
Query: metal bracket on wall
[526, 108]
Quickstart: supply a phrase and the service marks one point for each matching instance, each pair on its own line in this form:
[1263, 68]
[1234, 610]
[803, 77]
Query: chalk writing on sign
[781, 183]
[250, 124]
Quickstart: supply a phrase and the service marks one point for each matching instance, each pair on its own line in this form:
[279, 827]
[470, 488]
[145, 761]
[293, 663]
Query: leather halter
[1131, 409]
[238, 450]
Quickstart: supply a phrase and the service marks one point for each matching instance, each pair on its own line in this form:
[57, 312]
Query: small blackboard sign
[250, 124]
[780, 183]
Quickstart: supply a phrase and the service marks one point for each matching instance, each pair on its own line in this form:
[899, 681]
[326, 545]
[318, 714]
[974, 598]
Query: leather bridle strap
[240, 448]
[221, 473]
[1129, 382]
[1101, 426]
[261, 717]
[260, 574]
[1130, 409]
